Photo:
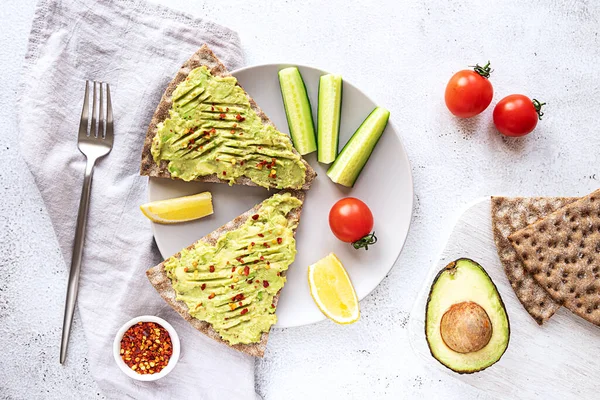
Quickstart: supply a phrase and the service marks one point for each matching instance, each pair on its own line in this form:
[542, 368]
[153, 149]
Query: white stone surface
[402, 54]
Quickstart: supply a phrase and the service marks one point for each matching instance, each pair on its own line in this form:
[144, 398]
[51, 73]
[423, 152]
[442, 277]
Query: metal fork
[95, 141]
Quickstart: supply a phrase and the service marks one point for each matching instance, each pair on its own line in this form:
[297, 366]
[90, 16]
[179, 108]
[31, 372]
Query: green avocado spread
[232, 284]
[211, 129]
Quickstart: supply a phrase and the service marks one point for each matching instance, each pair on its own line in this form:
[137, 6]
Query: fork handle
[73, 284]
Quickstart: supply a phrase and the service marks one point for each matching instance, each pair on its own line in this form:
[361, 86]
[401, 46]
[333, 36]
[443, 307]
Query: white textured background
[401, 53]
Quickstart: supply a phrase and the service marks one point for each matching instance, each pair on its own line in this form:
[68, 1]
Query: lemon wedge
[180, 209]
[332, 290]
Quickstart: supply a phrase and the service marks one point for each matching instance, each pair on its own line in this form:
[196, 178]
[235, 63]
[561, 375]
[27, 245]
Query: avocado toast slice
[226, 276]
[207, 128]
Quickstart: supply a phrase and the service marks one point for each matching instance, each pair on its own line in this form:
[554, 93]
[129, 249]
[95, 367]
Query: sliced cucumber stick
[297, 110]
[328, 117]
[356, 152]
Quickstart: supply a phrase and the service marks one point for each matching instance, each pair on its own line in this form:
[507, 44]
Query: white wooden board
[560, 360]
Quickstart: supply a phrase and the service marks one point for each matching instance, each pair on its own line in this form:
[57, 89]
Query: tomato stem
[484, 71]
[538, 108]
[365, 241]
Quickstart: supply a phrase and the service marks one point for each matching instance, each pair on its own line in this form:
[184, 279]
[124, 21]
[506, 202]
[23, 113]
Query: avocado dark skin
[466, 324]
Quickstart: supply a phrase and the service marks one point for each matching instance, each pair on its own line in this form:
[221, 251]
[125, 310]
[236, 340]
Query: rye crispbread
[562, 252]
[161, 282]
[204, 56]
[508, 216]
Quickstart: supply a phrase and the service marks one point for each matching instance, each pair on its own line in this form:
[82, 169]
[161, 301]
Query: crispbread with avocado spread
[227, 284]
[207, 128]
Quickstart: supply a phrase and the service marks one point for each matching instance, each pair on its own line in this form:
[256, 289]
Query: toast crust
[204, 56]
[161, 282]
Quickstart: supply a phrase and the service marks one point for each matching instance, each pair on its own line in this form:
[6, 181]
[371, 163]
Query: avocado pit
[466, 327]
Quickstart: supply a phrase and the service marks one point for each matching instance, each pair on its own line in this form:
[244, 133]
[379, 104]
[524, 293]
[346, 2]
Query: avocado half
[466, 324]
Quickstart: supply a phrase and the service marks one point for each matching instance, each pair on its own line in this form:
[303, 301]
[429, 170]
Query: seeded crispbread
[562, 252]
[161, 282]
[508, 216]
[203, 57]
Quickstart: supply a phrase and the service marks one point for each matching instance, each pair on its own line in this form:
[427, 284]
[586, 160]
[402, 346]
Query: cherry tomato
[469, 92]
[351, 221]
[517, 115]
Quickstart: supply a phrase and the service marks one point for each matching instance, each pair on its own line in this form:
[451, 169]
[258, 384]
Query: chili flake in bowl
[146, 348]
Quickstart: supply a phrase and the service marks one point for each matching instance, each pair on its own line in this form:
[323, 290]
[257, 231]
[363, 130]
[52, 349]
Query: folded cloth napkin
[137, 47]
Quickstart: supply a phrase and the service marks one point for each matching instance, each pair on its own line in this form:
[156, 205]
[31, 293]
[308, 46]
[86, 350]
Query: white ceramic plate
[385, 185]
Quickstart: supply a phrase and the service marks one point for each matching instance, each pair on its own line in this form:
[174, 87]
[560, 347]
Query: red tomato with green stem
[517, 115]
[469, 92]
[351, 221]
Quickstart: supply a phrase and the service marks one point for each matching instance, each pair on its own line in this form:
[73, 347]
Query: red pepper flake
[211, 268]
[265, 284]
[244, 311]
[246, 270]
[261, 235]
[238, 297]
[203, 286]
[146, 348]
[224, 172]
[279, 240]
[211, 296]
[222, 116]
[255, 217]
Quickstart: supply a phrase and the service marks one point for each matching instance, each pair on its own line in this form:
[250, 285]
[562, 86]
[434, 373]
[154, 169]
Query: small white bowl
[146, 377]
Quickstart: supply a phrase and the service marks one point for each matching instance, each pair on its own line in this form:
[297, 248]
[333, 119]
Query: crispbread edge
[562, 296]
[161, 282]
[204, 56]
[531, 294]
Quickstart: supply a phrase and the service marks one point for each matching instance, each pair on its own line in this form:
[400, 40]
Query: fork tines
[101, 124]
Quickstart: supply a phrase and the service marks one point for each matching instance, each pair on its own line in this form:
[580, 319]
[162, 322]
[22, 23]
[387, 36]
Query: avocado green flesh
[264, 247]
[212, 129]
[467, 281]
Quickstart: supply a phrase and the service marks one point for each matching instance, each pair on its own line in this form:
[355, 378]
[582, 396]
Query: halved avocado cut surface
[466, 324]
